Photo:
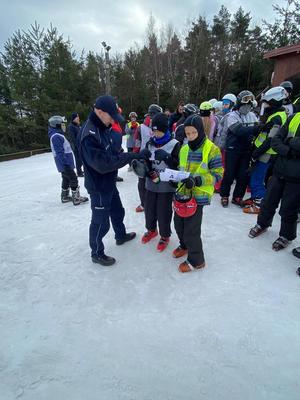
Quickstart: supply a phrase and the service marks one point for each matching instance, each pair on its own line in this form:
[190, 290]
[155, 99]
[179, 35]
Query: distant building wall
[286, 66]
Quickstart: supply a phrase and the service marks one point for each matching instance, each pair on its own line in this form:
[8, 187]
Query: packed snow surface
[140, 330]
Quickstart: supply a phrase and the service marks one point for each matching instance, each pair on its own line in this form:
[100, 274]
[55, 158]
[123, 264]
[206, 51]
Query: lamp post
[107, 71]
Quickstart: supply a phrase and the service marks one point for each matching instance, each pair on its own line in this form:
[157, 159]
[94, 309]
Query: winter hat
[109, 105]
[74, 115]
[160, 122]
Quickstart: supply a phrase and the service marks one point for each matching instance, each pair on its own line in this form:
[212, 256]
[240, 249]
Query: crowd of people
[238, 141]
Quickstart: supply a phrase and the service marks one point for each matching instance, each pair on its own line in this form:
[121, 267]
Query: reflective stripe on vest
[294, 125]
[263, 135]
[196, 169]
[296, 101]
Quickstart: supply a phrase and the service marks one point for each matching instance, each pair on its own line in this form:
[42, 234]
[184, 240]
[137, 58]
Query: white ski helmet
[133, 114]
[288, 86]
[212, 101]
[56, 121]
[277, 93]
[231, 97]
[218, 105]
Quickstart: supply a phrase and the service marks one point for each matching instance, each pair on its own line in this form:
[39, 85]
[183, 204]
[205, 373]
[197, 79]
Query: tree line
[41, 75]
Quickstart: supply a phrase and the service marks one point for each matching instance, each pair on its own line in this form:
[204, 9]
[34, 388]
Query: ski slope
[140, 330]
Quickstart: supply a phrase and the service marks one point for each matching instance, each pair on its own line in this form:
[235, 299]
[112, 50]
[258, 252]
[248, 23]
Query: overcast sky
[118, 23]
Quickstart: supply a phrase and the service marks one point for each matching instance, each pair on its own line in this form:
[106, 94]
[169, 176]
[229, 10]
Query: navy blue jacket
[101, 156]
[174, 117]
[74, 133]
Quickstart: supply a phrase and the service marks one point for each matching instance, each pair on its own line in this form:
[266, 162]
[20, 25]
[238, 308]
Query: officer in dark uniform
[101, 160]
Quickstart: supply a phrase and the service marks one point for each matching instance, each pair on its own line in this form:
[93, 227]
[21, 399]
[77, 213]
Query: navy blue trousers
[105, 207]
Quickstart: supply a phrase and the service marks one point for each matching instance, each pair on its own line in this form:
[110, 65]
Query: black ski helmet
[140, 168]
[154, 109]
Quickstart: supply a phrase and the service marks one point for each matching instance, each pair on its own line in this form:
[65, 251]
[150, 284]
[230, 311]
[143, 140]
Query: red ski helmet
[185, 206]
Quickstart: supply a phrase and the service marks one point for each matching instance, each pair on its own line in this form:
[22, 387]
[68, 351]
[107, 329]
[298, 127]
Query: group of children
[217, 144]
[232, 133]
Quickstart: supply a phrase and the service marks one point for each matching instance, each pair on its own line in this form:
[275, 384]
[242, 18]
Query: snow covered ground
[140, 330]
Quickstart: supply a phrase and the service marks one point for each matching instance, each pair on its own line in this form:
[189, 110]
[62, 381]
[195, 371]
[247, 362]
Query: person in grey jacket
[242, 128]
[159, 195]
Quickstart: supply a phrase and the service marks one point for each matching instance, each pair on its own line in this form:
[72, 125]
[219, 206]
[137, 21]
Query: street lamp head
[103, 44]
[108, 48]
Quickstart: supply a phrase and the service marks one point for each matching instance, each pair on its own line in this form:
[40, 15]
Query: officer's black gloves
[144, 154]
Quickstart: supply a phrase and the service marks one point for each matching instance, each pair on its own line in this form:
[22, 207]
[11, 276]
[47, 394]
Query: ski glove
[190, 182]
[161, 155]
[144, 154]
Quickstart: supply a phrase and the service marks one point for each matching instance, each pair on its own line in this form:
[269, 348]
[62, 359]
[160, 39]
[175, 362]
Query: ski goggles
[247, 98]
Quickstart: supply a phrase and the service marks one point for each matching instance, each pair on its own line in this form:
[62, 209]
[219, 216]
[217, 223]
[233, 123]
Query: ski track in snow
[139, 330]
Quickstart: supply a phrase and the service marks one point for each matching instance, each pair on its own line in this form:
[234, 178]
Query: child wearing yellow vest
[203, 160]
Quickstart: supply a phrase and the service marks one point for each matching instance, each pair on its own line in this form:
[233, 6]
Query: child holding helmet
[159, 195]
[202, 158]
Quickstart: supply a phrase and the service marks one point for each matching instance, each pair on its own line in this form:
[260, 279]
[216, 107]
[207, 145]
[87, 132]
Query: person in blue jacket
[101, 159]
[64, 160]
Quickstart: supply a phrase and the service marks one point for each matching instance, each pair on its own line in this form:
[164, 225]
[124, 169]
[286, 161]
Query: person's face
[63, 127]
[158, 134]
[132, 119]
[191, 133]
[226, 106]
[77, 120]
[104, 117]
[180, 109]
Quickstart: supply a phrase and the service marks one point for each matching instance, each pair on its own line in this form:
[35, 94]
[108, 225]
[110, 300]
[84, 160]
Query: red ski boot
[149, 235]
[162, 244]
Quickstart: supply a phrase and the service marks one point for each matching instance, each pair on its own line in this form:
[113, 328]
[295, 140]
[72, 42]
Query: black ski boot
[224, 201]
[296, 252]
[65, 196]
[126, 238]
[238, 201]
[77, 199]
[256, 231]
[280, 243]
[104, 260]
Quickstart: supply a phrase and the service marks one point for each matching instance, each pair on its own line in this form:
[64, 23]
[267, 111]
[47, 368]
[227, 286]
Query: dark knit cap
[160, 122]
[74, 115]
